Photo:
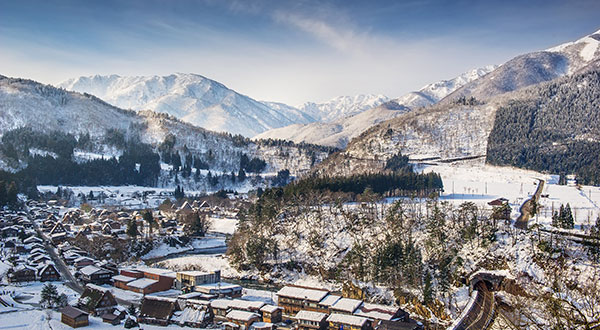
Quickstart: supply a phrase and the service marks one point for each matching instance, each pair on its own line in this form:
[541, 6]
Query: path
[526, 208]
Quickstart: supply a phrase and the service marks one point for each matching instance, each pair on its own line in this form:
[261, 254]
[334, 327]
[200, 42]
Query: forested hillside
[554, 127]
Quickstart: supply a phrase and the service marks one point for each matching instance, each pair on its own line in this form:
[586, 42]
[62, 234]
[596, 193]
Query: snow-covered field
[199, 244]
[223, 225]
[480, 184]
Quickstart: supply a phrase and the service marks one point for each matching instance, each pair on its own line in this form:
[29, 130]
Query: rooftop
[310, 316]
[141, 283]
[241, 315]
[303, 293]
[347, 319]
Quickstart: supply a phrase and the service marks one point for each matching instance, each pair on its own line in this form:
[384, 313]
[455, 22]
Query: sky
[283, 51]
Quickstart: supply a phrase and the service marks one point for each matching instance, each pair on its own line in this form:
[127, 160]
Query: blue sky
[287, 51]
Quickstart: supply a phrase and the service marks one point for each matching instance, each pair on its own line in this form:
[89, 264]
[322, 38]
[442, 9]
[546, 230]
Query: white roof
[241, 315]
[220, 303]
[330, 300]
[89, 270]
[269, 308]
[376, 311]
[96, 287]
[245, 304]
[194, 273]
[347, 305]
[310, 316]
[157, 271]
[141, 283]
[347, 319]
[302, 293]
[123, 278]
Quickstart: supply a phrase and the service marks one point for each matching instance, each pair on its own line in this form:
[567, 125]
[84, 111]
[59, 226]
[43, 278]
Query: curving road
[482, 311]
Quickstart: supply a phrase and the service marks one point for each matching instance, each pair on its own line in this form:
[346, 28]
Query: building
[190, 279]
[157, 310]
[194, 313]
[296, 298]
[111, 318]
[381, 312]
[242, 318]
[48, 272]
[271, 314]
[345, 306]
[349, 322]
[144, 280]
[308, 320]
[22, 273]
[96, 275]
[220, 289]
[74, 317]
[220, 308]
[97, 300]
[398, 325]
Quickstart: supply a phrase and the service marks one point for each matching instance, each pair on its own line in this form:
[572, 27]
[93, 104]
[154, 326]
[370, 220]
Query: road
[526, 208]
[481, 314]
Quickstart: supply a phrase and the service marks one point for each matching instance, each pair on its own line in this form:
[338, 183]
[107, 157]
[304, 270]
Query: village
[83, 253]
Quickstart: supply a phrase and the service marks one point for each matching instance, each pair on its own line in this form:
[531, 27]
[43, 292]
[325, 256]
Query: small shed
[74, 317]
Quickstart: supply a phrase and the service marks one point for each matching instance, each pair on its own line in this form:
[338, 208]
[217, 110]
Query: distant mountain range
[339, 132]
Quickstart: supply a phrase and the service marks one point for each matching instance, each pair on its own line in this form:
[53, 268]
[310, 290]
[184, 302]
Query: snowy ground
[206, 262]
[199, 244]
[480, 184]
[223, 225]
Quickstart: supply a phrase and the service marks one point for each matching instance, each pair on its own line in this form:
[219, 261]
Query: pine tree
[147, 216]
[568, 222]
[11, 193]
[427, 289]
[49, 295]
[132, 229]
[3, 195]
[594, 246]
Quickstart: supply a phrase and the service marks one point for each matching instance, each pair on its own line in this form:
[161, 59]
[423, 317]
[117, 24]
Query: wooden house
[296, 298]
[345, 306]
[95, 275]
[74, 317]
[242, 318]
[47, 272]
[97, 300]
[22, 273]
[308, 320]
[349, 322]
[157, 310]
[271, 313]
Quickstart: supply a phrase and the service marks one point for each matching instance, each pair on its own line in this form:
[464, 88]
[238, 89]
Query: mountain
[533, 68]
[513, 119]
[339, 132]
[191, 98]
[342, 106]
[103, 131]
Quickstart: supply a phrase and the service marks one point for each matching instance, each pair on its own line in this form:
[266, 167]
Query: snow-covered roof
[269, 308]
[90, 269]
[241, 315]
[347, 305]
[220, 303]
[97, 287]
[310, 316]
[245, 304]
[194, 273]
[157, 271]
[302, 293]
[376, 311]
[123, 278]
[142, 283]
[330, 300]
[347, 319]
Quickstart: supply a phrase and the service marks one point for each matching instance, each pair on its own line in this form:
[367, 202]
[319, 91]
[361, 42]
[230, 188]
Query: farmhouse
[296, 298]
[311, 320]
[74, 317]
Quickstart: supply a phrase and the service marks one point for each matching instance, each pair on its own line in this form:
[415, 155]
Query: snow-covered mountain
[340, 131]
[191, 98]
[453, 129]
[45, 108]
[533, 68]
[342, 106]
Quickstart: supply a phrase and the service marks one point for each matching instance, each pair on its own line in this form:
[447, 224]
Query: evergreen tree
[427, 289]
[147, 216]
[11, 194]
[3, 195]
[241, 175]
[594, 246]
[568, 222]
[132, 229]
[49, 295]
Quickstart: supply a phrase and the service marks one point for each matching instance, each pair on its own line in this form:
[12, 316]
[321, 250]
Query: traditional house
[47, 272]
[242, 318]
[22, 273]
[58, 228]
[33, 239]
[157, 310]
[111, 318]
[194, 313]
[271, 313]
[83, 262]
[345, 306]
[296, 298]
[95, 275]
[261, 326]
[97, 300]
[349, 322]
[74, 317]
[220, 308]
[308, 320]
[246, 305]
